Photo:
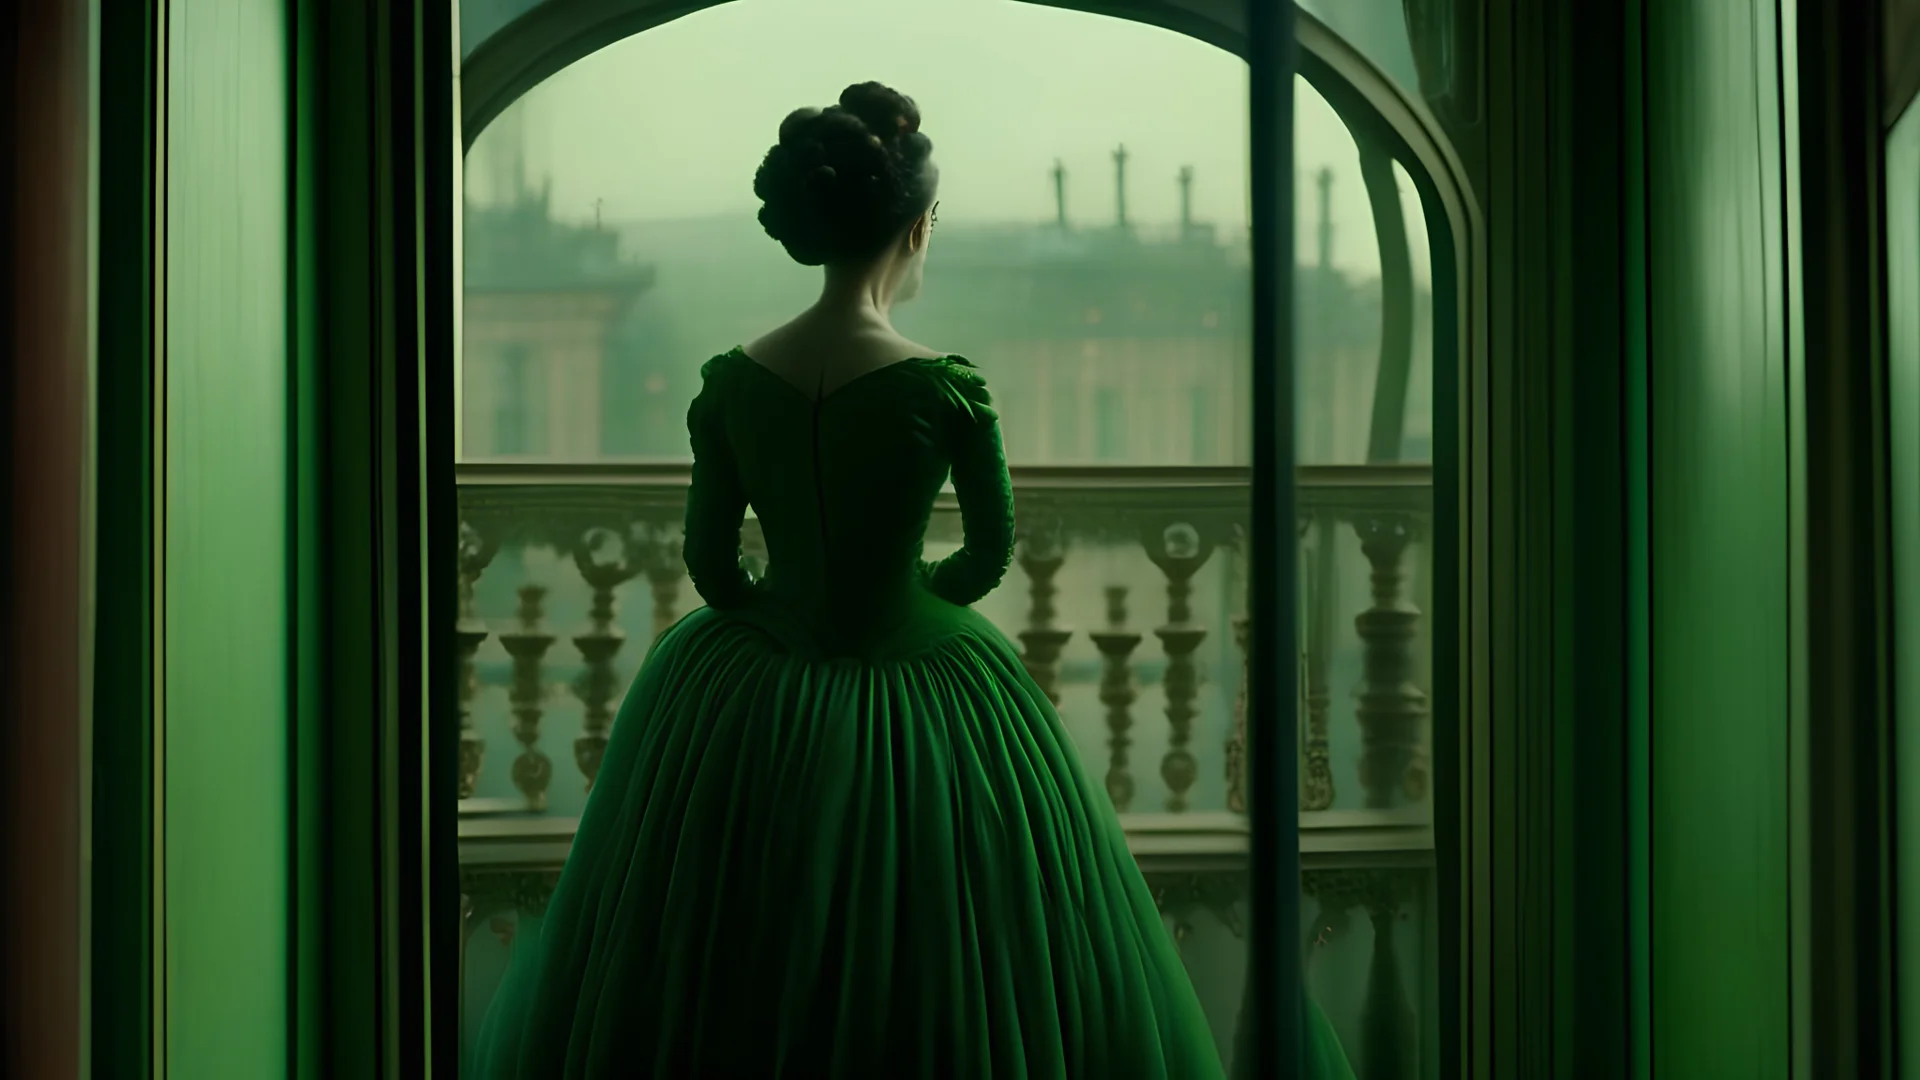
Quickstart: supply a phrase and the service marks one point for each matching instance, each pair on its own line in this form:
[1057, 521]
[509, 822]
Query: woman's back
[843, 484]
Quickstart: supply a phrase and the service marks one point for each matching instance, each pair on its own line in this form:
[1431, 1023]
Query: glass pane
[1118, 338]
[1091, 256]
[1376, 28]
[622, 269]
[1344, 298]
[481, 19]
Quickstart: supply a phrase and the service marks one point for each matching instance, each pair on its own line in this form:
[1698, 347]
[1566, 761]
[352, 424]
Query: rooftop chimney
[1060, 194]
[1324, 181]
[1186, 202]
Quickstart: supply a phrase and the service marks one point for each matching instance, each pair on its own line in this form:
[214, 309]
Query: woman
[839, 831]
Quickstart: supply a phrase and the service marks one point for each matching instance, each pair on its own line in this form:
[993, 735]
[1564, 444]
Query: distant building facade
[1119, 344]
[541, 303]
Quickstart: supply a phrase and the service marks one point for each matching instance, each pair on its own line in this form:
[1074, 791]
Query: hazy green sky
[672, 123]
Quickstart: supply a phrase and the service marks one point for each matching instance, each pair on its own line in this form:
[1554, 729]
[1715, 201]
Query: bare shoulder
[797, 346]
[886, 347]
[922, 352]
[775, 346]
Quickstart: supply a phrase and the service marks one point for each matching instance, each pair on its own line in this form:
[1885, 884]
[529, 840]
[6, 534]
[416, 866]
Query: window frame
[553, 35]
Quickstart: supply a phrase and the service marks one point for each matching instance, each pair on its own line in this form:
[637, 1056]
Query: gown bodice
[843, 486]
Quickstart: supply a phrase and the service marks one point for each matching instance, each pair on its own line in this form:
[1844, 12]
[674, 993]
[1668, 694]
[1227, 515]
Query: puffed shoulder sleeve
[716, 499]
[982, 485]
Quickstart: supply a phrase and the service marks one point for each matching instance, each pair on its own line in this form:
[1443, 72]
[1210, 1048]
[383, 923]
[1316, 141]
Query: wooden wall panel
[227, 697]
[1720, 539]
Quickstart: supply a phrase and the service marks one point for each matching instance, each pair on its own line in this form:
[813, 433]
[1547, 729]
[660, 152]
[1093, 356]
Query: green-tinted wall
[226, 697]
[1903, 386]
[1717, 634]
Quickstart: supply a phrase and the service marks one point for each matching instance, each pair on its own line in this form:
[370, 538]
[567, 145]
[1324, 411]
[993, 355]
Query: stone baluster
[598, 643]
[1392, 709]
[1316, 784]
[1419, 778]
[665, 586]
[1041, 557]
[1181, 894]
[1389, 1042]
[1316, 760]
[1389, 1047]
[1180, 552]
[666, 569]
[1237, 740]
[1331, 920]
[528, 643]
[476, 551]
[466, 939]
[1117, 693]
[487, 893]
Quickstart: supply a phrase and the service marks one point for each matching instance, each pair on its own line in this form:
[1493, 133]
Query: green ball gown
[839, 831]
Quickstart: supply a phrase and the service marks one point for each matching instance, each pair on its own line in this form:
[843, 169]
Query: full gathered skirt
[888, 866]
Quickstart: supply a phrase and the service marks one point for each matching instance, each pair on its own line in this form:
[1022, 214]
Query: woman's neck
[860, 294]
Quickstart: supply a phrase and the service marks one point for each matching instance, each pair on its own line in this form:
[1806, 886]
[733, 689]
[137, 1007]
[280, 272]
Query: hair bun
[794, 127]
[843, 181]
[887, 112]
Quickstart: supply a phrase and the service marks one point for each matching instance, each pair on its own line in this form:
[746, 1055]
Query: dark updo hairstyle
[844, 181]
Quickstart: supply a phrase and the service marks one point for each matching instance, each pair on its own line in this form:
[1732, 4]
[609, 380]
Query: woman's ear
[917, 235]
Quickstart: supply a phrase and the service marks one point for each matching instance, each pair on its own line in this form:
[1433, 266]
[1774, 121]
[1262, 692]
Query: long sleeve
[716, 507]
[985, 493]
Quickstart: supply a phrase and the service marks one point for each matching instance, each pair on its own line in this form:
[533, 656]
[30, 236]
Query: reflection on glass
[1092, 258]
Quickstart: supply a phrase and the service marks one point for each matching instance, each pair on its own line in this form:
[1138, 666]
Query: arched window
[1092, 257]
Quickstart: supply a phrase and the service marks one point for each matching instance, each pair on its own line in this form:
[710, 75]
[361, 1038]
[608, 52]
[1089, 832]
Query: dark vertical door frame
[124, 960]
[1276, 1011]
[1578, 217]
[1901, 82]
[438, 368]
[1847, 538]
[376, 910]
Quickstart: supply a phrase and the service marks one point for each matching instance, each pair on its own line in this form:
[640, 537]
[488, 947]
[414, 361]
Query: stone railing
[1182, 528]
[603, 540]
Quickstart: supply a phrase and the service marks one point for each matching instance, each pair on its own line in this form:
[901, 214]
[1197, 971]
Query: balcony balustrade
[1127, 600]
